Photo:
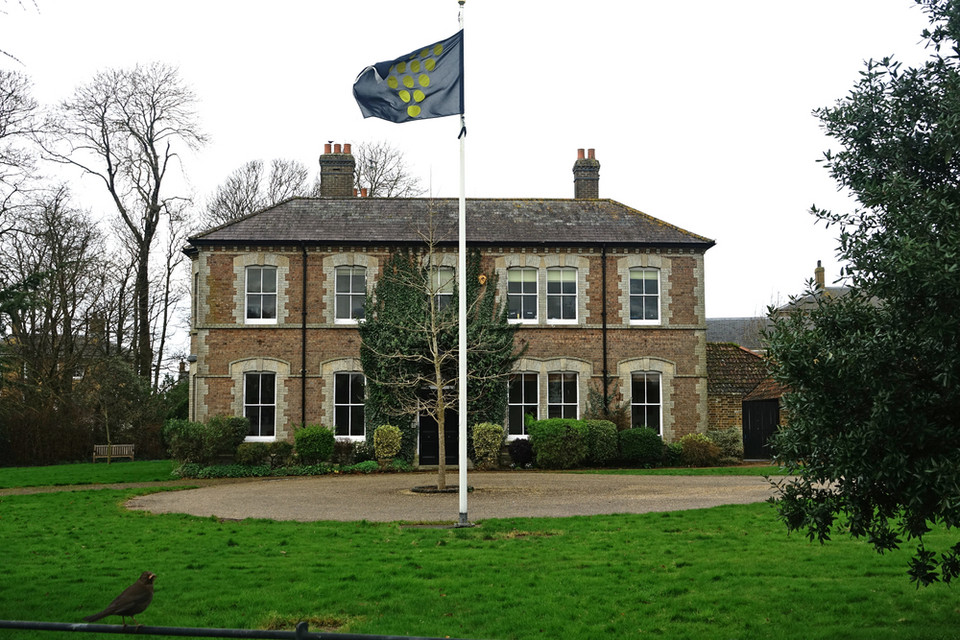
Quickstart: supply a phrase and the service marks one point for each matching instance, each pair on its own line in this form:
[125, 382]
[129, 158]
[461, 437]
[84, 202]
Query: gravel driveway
[388, 497]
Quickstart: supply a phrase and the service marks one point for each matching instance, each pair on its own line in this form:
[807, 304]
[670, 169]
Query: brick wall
[226, 347]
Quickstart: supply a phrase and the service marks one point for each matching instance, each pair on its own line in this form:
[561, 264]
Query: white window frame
[524, 402]
[248, 293]
[260, 404]
[442, 290]
[524, 295]
[337, 376]
[646, 402]
[561, 295]
[564, 402]
[350, 295]
[643, 296]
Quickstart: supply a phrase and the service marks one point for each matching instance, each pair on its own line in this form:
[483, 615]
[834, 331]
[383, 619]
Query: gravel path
[388, 497]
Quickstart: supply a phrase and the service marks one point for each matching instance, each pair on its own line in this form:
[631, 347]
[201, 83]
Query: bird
[134, 599]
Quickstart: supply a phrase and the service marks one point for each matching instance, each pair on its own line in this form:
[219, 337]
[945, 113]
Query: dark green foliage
[314, 444]
[397, 358]
[281, 453]
[641, 447]
[730, 442]
[697, 450]
[874, 410]
[559, 443]
[343, 452]
[521, 452]
[671, 454]
[602, 442]
[195, 442]
[184, 440]
[253, 454]
[600, 407]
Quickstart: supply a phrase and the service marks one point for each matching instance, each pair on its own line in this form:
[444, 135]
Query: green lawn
[86, 473]
[727, 572]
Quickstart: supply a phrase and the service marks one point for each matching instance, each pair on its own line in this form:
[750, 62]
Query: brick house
[603, 294]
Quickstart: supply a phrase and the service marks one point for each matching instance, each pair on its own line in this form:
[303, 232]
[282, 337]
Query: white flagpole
[462, 315]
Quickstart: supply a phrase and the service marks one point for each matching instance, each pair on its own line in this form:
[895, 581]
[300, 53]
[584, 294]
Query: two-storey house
[606, 297]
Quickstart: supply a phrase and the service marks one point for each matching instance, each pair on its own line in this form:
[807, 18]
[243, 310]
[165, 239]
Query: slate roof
[742, 331]
[731, 369]
[346, 221]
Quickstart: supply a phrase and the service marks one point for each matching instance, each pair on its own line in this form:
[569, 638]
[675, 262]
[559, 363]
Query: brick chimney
[336, 171]
[586, 176]
[818, 276]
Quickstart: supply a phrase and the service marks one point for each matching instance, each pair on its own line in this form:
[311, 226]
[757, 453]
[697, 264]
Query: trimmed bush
[343, 452]
[601, 442]
[314, 444]
[184, 440]
[730, 442]
[699, 451]
[281, 453]
[521, 452]
[671, 454]
[224, 434]
[559, 443]
[641, 447]
[386, 441]
[253, 454]
[488, 439]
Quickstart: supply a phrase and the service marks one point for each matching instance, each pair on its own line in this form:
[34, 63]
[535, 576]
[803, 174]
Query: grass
[86, 473]
[726, 572]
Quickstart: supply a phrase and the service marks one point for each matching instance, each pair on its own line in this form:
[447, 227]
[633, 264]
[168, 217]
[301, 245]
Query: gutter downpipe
[303, 339]
[603, 330]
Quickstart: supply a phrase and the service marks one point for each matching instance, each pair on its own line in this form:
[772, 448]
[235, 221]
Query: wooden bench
[112, 451]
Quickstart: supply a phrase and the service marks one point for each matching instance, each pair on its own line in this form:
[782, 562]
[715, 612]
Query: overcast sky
[699, 111]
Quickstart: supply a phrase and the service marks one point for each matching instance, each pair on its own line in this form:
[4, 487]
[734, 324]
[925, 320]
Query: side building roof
[528, 222]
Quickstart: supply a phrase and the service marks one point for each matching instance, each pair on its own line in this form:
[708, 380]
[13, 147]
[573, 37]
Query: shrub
[386, 441]
[642, 447]
[363, 452]
[184, 440]
[487, 441]
[223, 434]
[521, 452]
[343, 452]
[253, 454]
[559, 443]
[671, 454]
[314, 443]
[730, 443]
[601, 442]
[281, 453]
[367, 466]
[699, 451]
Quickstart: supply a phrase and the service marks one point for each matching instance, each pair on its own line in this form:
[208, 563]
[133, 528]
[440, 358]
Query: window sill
[260, 439]
[253, 321]
[646, 323]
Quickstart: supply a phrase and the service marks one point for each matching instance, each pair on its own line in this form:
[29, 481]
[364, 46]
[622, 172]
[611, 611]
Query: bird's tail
[96, 616]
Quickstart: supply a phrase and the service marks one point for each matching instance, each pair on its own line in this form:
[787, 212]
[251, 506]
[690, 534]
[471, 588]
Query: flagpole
[462, 315]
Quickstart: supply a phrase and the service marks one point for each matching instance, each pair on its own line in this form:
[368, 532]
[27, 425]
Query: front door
[430, 438]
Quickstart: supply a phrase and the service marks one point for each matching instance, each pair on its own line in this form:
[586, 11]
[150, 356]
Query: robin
[132, 601]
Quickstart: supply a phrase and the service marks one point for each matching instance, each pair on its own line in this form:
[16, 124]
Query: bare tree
[125, 128]
[18, 122]
[382, 170]
[253, 187]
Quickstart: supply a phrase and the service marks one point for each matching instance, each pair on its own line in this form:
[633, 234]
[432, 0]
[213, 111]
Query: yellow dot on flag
[430, 64]
[402, 67]
[392, 82]
[424, 53]
[408, 82]
[424, 80]
[418, 95]
[415, 66]
[437, 49]
[413, 111]
[404, 95]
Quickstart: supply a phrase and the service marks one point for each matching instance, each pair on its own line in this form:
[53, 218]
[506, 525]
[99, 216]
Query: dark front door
[760, 421]
[430, 439]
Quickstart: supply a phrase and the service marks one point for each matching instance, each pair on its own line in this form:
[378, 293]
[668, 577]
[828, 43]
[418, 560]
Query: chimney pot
[346, 148]
[326, 147]
[336, 148]
[579, 154]
[363, 192]
[591, 154]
